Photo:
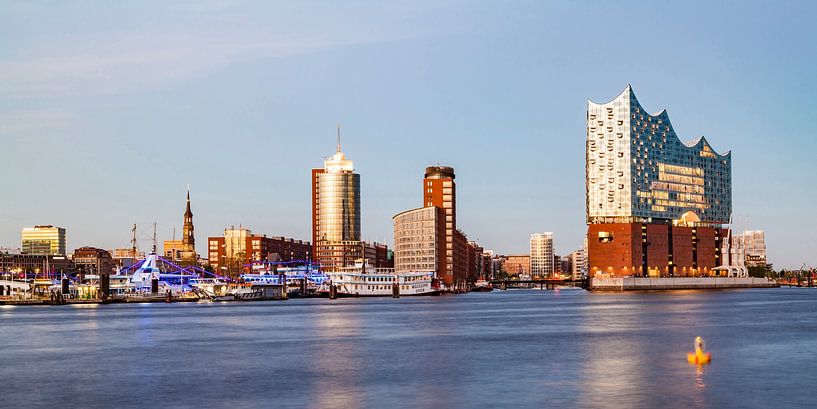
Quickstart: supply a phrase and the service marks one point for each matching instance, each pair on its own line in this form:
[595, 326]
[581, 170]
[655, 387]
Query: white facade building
[578, 264]
[754, 241]
[541, 254]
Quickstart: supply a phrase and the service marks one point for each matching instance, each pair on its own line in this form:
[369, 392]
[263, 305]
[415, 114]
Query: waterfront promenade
[516, 348]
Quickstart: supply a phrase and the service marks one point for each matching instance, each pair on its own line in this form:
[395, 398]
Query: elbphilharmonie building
[655, 205]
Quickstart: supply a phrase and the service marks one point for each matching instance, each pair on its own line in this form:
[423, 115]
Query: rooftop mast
[338, 147]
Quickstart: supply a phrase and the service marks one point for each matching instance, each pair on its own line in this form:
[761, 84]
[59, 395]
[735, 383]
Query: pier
[542, 283]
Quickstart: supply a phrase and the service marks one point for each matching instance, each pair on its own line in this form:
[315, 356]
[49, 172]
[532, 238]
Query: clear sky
[108, 111]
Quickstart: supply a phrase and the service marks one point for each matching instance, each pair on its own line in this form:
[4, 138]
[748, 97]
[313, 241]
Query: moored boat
[482, 286]
[301, 280]
[363, 280]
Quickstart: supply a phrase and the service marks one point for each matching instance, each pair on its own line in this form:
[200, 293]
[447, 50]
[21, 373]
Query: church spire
[187, 211]
[188, 238]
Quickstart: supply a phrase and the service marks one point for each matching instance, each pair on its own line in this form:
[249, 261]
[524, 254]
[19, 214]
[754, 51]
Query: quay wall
[677, 283]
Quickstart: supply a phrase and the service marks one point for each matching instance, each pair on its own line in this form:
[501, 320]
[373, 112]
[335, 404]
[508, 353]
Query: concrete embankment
[677, 283]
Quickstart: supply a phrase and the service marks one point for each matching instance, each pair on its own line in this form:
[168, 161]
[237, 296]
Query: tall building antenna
[338, 148]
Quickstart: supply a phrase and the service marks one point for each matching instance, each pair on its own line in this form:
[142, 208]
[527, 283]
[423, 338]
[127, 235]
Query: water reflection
[614, 371]
[528, 349]
[338, 359]
[699, 377]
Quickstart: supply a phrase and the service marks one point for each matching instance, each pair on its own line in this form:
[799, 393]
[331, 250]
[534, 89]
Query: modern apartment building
[655, 206]
[542, 261]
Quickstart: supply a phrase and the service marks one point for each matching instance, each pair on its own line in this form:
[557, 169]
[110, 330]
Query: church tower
[188, 252]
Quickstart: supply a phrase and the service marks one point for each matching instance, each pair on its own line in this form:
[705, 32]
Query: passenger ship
[301, 280]
[363, 280]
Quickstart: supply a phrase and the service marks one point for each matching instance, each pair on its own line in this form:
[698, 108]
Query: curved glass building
[655, 205]
[336, 213]
[339, 204]
[638, 170]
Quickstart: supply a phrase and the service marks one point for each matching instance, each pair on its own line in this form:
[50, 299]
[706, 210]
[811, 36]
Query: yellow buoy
[699, 357]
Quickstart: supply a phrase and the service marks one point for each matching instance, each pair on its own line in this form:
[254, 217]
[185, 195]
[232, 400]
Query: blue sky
[108, 111]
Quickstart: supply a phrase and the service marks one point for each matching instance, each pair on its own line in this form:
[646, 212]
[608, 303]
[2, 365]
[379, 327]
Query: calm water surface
[529, 349]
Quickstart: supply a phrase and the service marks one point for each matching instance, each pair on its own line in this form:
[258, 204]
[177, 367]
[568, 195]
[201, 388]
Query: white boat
[300, 280]
[482, 285]
[363, 280]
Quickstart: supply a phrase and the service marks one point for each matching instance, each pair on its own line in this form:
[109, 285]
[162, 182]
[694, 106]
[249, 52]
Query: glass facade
[43, 240]
[336, 213]
[638, 170]
[339, 207]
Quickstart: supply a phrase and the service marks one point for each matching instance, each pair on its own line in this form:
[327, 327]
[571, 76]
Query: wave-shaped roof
[628, 94]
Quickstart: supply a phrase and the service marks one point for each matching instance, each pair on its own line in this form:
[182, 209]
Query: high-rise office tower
[655, 206]
[44, 240]
[336, 212]
[541, 255]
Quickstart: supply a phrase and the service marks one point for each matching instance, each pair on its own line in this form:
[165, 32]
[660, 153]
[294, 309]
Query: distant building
[232, 253]
[39, 266]
[754, 245]
[461, 260]
[44, 240]
[125, 257]
[91, 260]
[566, 264]
[337, 255]
[173, 249]
[517, 265]
[655, 206]
[578, 265]
[541, 255]
[585, 264]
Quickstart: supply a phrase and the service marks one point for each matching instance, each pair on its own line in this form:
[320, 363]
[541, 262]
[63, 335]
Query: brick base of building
[653, 250]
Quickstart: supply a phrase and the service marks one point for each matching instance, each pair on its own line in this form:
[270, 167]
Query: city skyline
[103, 134]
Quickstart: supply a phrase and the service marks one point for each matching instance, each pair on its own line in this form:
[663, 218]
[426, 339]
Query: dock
[678, 283]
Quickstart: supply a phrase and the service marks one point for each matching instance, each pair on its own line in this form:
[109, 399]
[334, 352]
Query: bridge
[542, 283]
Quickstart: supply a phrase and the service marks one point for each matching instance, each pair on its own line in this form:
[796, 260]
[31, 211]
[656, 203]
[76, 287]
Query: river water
[518, 348]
